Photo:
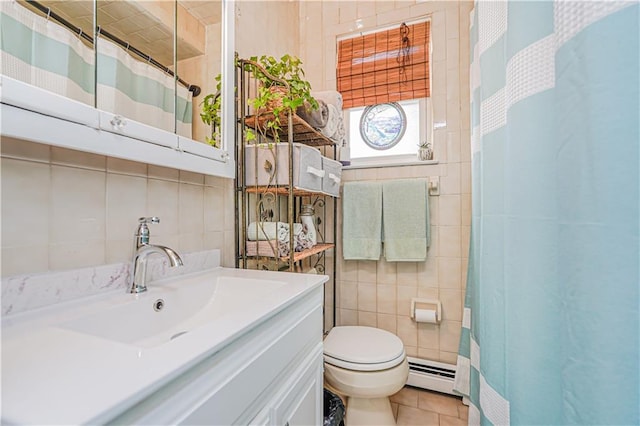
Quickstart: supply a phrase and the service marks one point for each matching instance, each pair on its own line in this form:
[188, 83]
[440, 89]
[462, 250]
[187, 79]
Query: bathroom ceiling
[146, 25]
[207, 12]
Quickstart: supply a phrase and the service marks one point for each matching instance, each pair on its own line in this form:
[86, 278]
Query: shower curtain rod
[51, 14]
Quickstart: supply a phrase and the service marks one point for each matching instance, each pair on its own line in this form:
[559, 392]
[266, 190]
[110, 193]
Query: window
[416, 129]
[383, 77]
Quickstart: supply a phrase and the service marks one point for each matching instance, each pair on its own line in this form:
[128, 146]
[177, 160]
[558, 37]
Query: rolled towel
[302, 242]
[332, 123]
[330, 97]
[264, 231]
[316, 118]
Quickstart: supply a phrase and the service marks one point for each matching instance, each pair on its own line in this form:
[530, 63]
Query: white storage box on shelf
[272, 168]
[332, 176]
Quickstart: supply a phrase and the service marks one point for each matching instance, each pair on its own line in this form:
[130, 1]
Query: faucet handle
[142, 235]
[151, 219]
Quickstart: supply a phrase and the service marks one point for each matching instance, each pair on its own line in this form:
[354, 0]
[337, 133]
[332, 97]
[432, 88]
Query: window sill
[382, 162]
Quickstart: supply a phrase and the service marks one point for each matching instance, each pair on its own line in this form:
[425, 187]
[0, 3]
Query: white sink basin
[166, 312]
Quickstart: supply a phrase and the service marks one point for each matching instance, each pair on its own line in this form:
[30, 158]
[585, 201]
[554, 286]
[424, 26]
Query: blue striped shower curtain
[551, 322]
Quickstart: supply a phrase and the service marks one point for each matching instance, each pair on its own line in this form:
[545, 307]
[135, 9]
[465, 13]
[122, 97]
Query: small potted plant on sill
[425, 152]
[282, 88]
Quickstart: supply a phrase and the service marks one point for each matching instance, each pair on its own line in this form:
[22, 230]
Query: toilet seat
[360, 348]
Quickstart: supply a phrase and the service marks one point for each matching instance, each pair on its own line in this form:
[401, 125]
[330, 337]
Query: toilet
[366, 365]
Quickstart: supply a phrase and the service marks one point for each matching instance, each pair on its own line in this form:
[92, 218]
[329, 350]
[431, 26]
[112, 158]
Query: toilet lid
[363, 348]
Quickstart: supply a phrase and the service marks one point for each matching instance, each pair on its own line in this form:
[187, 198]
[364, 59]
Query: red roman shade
[370, 67]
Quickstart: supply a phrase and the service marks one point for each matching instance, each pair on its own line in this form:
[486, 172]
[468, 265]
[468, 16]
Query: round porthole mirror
[383, 125]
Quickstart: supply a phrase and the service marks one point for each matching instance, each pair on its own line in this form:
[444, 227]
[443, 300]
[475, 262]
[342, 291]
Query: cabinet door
[302, 404]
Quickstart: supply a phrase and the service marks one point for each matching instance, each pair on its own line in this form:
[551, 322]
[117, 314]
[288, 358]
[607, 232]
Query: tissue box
[332, 176]
[273, 166]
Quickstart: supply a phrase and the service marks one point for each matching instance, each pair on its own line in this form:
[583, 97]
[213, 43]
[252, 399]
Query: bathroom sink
[166, 312]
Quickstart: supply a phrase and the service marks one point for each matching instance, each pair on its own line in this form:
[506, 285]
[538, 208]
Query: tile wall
[378, 294]
[65, 209]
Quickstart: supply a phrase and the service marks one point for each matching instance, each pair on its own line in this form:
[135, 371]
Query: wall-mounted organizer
[286, 184]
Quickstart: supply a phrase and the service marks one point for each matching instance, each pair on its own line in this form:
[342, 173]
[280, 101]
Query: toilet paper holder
[426, 304]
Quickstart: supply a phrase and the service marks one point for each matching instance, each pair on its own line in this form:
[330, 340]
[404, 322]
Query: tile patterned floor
[418, 407]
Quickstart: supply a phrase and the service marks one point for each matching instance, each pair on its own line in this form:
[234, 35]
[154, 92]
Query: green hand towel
[405, 207]
[361, 220]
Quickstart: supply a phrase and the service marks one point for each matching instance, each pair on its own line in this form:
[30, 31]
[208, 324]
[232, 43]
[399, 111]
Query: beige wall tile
[429, 336]
[434, 210]
[450, 336]
[404, 295]
[348, 295]
[428, 293]
[190, 209]
[26, 192]
[431, 354]
[388, 322]
[448, 357]
[126, 202]
[78, 206]
[367, 271]
[451, 304]
[70, 157]
[348, 317]
[191, 177]
[450, 184]
[162, 201]
[428, 273]
[213, 209]
[439, 80]
[348, 270]
[386, 295]
[407, 331]
[367, 297]
[386, 272]
[347, 11]
[24, 259]
[228, 252]
[407, 273]
[367, 319]
[449, 272]
[466, 238]
[449, 210]
[452, 19]
[21, 149]
[119, 251]
[449, 239]
[76, 255]
[158, 172]
[118, 165]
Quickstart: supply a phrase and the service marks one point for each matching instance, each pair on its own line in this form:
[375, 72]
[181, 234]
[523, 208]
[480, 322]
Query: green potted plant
[282, 88]
[210, 113]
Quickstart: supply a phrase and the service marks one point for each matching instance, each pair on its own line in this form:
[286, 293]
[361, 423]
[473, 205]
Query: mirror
[135, 59]
[129, 85]
[198, 55]
[49, 44]
[137, 64]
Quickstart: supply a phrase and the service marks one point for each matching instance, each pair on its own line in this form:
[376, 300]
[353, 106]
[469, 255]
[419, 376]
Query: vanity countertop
[55, 373]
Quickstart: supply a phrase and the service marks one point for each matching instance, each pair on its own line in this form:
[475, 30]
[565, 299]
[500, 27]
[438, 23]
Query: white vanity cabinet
[272, 375]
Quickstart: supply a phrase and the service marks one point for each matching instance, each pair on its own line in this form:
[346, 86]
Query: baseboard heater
[431, 375]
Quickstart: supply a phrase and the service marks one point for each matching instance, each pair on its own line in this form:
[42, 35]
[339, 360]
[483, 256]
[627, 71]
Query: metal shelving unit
[281, 202]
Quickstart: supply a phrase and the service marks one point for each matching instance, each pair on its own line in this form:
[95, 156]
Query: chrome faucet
[142, 250]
